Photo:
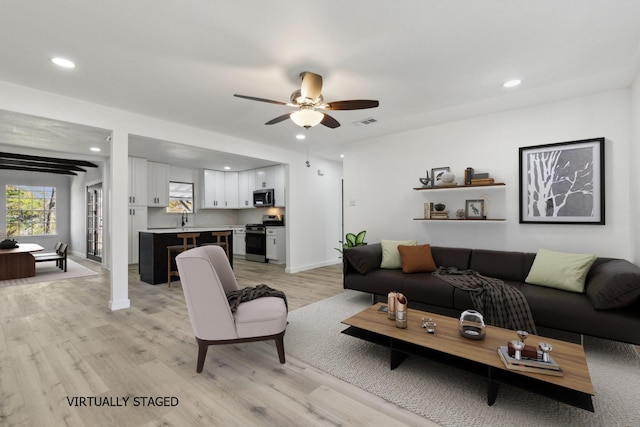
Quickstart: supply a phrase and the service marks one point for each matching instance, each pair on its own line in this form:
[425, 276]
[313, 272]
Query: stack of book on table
[529, 365]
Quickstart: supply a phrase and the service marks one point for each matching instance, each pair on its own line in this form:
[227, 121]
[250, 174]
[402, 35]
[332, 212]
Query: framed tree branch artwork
[563, 183]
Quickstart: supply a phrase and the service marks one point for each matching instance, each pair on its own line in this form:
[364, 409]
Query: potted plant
[351, 240]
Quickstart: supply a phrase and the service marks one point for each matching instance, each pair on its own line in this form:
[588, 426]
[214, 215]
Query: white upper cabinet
[246, 186]
[158, 184]
[212, 189]
[279, 179]
[234, 190]
[264, 178]
[137, 181]
[272, 177]
[231, 190]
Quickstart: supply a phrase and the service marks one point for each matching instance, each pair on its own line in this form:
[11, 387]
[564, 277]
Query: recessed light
[342, 156]
[96, 149]
[227, 168]
[63, 62]
[300, 137]
[512, 83]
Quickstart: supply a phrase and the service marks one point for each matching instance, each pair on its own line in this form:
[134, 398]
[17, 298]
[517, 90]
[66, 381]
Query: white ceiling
[426, 61]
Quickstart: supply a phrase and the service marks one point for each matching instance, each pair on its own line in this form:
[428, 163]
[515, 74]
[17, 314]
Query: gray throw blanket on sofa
[500, 305]
[249, 293]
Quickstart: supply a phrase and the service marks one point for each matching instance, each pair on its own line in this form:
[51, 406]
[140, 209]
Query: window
[31, 210]
[180, 197]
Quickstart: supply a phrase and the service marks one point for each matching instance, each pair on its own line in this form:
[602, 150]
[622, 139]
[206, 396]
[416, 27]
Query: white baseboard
[312, 266]
[119, 305]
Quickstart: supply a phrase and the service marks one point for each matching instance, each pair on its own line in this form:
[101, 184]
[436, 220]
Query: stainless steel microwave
[263, 197]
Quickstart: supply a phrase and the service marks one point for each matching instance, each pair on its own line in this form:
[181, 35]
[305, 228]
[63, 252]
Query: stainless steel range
[256, 237]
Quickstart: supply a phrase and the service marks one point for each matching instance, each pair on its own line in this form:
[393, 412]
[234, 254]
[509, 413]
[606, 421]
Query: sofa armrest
[362, 259]
[613, 284]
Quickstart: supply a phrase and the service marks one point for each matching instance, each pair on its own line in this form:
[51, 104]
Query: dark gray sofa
[609, 308]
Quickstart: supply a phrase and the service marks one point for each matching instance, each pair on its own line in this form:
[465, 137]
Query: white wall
[634, 158]
[379, 176]
[313, 221]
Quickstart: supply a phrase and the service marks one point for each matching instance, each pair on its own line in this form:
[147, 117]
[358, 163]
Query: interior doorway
[94, 222]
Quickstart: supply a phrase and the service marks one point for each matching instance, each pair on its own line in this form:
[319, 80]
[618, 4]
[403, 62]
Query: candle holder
[546, 348]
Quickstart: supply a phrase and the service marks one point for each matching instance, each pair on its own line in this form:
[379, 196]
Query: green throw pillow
[391, 255]
[560, 270]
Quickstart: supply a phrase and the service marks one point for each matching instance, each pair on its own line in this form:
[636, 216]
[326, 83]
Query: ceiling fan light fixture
[307, 118]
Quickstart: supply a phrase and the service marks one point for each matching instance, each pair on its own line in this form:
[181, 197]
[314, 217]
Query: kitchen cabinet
[264, 178]
[219, 189]
[137, 223]
[246, 186]
[231, 190]
[157, 184]
[276, 245]
[212, 189]
[279, 178]
[273, 177]
[239, 244]
[137, 181]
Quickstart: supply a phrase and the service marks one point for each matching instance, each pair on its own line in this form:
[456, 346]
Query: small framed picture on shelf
[474, 209]
[436, 175]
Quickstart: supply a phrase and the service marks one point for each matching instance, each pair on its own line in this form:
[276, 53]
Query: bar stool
[174, 250]
[219, 236]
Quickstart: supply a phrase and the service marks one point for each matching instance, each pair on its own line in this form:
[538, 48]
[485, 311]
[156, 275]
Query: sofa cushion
[560, 270]
[451, 257]
[427, 288]
[416, 259]
[364, 259]
[390, 254]
[503, 265]
[613, 284]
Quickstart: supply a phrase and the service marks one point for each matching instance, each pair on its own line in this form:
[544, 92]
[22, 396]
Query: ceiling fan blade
[356, 104]
[311, 85]
[278, 119]
[253, 98]
[329, 122]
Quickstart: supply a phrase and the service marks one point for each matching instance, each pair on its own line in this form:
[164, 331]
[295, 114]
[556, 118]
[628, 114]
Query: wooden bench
[59, 256]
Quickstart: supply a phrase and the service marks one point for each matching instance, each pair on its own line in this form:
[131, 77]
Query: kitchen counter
[192, 229]
[153, 249]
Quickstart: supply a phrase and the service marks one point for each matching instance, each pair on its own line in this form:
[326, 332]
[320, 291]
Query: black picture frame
[563, 183]
[474, 209]
[436, 175]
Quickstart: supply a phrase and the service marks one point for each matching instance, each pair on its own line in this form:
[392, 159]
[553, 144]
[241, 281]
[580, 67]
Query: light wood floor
[60, 345]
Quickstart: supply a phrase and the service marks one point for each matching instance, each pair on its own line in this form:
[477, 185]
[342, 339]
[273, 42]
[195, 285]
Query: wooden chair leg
[280, 346]
[202, 354]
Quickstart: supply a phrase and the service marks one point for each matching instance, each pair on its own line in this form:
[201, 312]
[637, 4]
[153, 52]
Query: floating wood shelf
[456, 219]
[453, 187]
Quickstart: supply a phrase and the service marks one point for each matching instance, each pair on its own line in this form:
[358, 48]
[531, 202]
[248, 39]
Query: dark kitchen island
[153, 250]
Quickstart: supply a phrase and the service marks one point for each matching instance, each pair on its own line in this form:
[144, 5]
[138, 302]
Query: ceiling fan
[308, 99]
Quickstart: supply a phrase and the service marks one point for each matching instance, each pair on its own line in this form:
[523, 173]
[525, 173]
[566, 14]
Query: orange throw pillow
[416, 259]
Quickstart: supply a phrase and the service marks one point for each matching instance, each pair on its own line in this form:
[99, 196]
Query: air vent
[365, 122]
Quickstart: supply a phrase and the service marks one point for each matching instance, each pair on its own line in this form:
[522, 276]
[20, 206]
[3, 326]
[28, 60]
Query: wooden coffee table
[478, 356]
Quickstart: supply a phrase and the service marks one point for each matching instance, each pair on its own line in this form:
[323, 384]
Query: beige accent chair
[207, 277]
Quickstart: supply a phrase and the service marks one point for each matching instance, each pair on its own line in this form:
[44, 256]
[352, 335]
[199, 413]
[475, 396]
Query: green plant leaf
[351, 240]
[360, 238]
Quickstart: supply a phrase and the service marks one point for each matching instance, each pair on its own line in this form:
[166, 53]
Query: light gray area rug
[452, 397]
[48, 272]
